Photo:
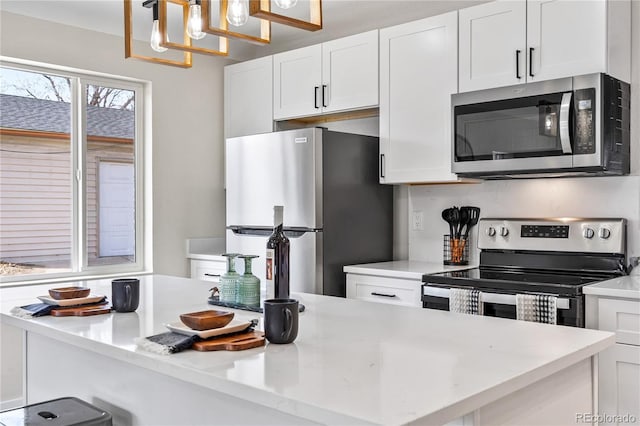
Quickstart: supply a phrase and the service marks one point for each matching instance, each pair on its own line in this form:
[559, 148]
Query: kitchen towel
[41, 309]
[537, 308]
[170, 343]
[466, 301]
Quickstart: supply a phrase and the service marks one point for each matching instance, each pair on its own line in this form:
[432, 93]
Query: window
[71, 174]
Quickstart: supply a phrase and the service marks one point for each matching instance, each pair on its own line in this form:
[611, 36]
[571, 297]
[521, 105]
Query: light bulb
[156, 38]
[286, 4]
[194, 23]
[237, 13]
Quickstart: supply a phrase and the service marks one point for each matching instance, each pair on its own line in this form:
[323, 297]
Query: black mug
[125, 294]
[281, 320]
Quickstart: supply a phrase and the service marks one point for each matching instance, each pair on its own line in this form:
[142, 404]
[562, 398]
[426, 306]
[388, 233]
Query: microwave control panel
[584, 105]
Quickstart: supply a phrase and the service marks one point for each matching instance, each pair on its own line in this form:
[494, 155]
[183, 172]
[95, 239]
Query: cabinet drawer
[384, 290]
[207, 270]
[621, 317]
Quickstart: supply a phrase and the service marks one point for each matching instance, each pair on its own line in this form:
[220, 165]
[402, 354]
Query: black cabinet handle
[531, 62]
[315, 97]
[518, 76]
[373, 293]
[212, 275]
[324, 94]
[381, 165]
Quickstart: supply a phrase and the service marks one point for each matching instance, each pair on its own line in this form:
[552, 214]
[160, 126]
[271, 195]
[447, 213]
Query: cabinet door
[418, 64]
[350, 72]
[207, 270]
[619, 382]
[566, 38]
[492, 45]
[248, 97]
[297, 82]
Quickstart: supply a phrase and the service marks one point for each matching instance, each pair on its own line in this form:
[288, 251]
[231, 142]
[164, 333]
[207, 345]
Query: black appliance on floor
[536, 256]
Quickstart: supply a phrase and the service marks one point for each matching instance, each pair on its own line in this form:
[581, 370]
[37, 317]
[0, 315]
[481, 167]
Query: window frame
[80, 80]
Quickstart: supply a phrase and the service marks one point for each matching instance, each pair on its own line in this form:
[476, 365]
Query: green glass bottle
[249, 284]
[229, 279]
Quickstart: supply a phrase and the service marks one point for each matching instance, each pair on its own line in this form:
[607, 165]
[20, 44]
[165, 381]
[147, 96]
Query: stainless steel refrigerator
[335, 211]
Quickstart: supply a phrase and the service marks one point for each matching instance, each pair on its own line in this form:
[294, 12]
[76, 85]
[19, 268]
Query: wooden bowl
[69, 292]
[206, 320]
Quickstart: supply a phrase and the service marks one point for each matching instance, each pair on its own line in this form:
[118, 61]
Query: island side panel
[560, 399]
[134, 395]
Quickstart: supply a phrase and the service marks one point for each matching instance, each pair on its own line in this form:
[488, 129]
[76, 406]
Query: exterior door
[418, 65]
[566, 38]
[116, 204]
[493, 45]
[350, 72]
[297, 82]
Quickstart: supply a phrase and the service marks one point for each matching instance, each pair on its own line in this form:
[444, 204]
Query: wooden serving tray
[236, 342]
[82, 311]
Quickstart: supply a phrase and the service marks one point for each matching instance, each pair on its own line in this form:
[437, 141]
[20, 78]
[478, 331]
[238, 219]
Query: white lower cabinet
[619, 384]
[208, 270]
[396, 291]
[618, 366]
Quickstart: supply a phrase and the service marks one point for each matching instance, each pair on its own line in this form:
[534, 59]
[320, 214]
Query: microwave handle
[565, 110]
[502, 299]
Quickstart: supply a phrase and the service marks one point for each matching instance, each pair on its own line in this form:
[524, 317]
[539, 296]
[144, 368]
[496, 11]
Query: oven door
[517, 129]
[503, 305]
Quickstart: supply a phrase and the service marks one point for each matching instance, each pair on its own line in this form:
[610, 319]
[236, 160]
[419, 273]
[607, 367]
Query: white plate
[92, 298]
[232, 327]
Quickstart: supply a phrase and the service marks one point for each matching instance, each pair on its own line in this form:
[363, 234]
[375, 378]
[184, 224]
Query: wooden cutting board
[82, 311]
[237, 342]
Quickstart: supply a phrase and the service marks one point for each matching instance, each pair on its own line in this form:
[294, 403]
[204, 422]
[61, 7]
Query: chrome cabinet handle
[518, 76]
[373, 293]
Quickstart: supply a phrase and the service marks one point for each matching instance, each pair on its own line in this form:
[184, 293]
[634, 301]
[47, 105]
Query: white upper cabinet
[418, 75]
[248, 98]
[517, 41]
[566, 38]
[297, 76]
[339, 75]
[492, 45]
[350, 72]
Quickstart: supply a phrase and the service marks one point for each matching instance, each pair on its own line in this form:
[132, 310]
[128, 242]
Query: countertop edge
[611, 292]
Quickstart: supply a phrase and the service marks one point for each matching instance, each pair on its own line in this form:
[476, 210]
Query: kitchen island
[354, 362]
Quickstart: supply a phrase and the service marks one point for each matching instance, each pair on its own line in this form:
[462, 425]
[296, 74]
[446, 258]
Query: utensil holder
[455, 251]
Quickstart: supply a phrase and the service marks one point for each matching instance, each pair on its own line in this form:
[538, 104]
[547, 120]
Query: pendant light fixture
[237, 12]
[194, 22]
[156, 36]
[286, 4]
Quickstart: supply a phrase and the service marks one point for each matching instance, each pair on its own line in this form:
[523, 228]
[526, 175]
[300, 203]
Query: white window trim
[143, 176]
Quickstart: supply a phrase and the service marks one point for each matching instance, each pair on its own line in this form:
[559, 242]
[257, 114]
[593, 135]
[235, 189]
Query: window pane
[110, 175]
[35, 173]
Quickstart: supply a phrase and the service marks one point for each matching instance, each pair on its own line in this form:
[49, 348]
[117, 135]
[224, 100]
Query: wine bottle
[277, 277]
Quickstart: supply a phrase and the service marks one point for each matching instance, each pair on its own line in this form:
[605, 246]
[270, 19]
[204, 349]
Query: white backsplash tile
[574, 197]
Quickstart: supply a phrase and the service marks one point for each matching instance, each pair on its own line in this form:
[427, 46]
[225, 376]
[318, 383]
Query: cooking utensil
[447, 216]
[464, 220]
[474, 216]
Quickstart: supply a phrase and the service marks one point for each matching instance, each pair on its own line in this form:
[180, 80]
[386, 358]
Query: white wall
[188, 194]
[581, 197]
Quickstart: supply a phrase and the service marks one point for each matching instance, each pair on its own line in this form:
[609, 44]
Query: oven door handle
[565, 134]
[502, 299]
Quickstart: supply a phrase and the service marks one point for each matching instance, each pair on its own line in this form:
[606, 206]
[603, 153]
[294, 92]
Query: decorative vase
[248, 284]
[229, 280]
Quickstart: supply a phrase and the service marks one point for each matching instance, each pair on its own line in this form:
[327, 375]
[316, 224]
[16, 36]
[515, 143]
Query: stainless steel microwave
[565, 127]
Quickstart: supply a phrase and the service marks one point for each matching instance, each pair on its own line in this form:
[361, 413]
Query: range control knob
[504, 231]
[491, 231]
[588, 233]
[604, 233]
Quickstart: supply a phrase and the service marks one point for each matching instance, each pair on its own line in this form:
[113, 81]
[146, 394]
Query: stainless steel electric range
[536, 256]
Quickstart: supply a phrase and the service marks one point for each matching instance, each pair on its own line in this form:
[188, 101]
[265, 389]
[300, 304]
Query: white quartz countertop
[407, 269]
[353, 361]
[624, 287]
